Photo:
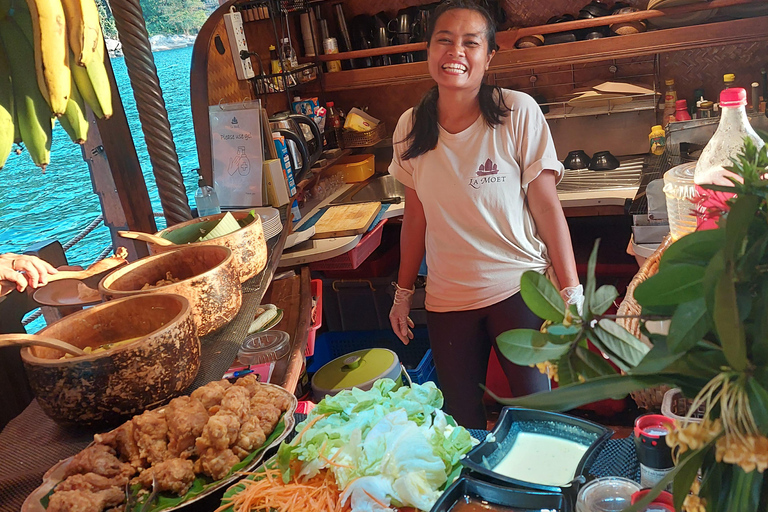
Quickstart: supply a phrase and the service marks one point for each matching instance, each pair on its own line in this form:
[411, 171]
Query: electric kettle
[304, 146]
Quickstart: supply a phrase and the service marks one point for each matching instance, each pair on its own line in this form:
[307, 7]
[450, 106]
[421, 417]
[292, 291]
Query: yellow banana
[7, 128]
[33, 113]
[50, 43]
[83, 29]
[74, 120]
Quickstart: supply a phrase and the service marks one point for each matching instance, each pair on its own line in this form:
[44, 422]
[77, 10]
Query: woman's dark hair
[423, 136]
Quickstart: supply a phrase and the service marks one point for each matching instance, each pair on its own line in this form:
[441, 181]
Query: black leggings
[461, 344]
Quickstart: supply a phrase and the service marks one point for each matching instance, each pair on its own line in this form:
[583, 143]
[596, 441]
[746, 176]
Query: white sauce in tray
[541, 459]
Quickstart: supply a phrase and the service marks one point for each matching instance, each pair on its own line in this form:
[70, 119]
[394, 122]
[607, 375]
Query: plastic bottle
[729, 80]
[334, 126]
[670, 97]
[725, 143]
[657, 140]
[681, 111]
[289, 55]
[206, 200]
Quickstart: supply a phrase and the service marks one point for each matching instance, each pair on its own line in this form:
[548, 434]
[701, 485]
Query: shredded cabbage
[387, 447]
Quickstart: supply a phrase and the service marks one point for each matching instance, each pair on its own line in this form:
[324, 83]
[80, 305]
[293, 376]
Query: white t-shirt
[480, 235]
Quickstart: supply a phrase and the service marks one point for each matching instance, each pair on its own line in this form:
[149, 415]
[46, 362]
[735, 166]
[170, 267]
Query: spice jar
[657, 140]
[651, 446]
[705, 109]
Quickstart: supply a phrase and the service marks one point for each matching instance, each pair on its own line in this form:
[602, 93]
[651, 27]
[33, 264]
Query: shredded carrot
[317, 494]
[331, 462]
[379, 503]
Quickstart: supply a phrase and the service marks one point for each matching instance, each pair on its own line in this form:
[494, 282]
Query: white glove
[574, 295]
[398, 315]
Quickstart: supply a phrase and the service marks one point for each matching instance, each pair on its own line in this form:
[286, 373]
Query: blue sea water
[58, 204]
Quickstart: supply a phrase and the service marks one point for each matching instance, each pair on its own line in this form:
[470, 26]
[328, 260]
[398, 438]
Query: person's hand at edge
[25, 270]
[398, 315]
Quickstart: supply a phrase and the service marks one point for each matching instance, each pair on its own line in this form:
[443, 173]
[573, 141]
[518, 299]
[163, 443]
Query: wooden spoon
[26, 340]
[145, 237]
[97, 268]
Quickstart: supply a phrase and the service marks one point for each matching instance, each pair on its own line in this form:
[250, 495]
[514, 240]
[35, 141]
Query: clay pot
[207, 278]
[247, 244]
[107, 386]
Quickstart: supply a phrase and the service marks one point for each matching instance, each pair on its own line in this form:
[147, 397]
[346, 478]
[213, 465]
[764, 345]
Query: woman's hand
[22, 270]
[398, 315]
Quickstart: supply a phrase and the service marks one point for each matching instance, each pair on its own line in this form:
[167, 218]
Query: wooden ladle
[145, 237]
[100, 267]
[26, 340]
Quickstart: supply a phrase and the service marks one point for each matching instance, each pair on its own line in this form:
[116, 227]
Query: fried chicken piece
[151, 436]
[267, 414]
[81, 500]
[269, 394]
[186, 417]
[99, 459]
[215, 463]
[209, 395]
[122, 440]
[251, 437]
[237, 400]
[91, 482]
[249, 382]
[175, 475]
[219, 433]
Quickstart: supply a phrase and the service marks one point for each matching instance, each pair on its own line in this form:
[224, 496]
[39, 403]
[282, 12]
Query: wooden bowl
[105, 387]
[248, 244]
[206, 275]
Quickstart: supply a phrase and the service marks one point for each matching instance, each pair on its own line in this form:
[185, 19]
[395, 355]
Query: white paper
[236, 153]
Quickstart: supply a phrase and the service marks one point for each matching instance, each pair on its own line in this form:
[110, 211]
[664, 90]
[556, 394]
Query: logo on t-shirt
[487, 173]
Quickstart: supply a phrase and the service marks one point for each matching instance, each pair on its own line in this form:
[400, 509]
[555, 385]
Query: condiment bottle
[705, 109]
[334, 126]
[206, 200]
[275, 66]
[729, 80]
[670, 97]
[725, 143]
[681, 111]
[654, 455]
[330, 47]
[657, 139]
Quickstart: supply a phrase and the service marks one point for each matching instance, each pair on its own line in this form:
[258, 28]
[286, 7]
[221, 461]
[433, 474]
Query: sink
[374, 189]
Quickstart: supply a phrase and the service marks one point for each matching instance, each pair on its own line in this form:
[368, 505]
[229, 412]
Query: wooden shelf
[634, 45]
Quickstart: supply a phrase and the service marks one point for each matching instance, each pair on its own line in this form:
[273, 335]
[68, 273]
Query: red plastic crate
[352, 259]
[317, 321]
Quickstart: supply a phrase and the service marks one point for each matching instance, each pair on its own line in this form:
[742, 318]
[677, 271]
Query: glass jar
[705, 109]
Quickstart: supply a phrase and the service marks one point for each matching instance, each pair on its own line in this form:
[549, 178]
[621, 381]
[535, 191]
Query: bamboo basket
[650, 398]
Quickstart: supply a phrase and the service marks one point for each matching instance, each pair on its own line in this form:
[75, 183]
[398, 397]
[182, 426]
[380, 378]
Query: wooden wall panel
[705, 67]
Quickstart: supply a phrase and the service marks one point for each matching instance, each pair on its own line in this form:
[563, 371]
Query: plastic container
[358, 369]
[350, 260]
[316, 286]
[680, 192]
[206, 200]
[416, 357]
[608, 494]
[354, 168]
[264, 347]
[725, 143]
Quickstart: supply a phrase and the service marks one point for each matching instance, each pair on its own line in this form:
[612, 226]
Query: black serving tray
[514, 420]
[507, 497]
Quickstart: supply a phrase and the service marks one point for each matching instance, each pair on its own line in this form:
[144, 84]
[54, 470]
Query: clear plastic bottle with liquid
[333, 126]
[206, 200]
[726, 143]
[289, 55]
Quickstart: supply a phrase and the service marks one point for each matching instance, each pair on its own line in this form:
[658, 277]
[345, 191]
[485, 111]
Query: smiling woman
[479, 169]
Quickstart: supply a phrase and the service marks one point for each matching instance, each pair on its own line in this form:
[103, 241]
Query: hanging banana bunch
[51, 67]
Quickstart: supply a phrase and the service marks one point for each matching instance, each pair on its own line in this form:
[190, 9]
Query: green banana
[7, 127]
[97, 74]
[85, 87]
[33, 113]
[74, 120]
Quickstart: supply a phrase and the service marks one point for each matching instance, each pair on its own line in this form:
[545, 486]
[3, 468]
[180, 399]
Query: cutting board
[346, 220]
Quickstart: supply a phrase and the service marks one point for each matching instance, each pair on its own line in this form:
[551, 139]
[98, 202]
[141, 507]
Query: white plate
[56, 474]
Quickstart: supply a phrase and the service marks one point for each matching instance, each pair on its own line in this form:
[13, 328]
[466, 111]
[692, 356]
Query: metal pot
[304, 146]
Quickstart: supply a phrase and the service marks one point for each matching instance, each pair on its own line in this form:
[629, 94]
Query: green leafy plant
[712, 288]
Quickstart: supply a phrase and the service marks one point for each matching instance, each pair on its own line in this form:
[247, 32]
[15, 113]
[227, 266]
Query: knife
[386, 200]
